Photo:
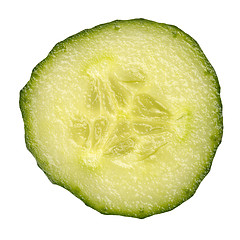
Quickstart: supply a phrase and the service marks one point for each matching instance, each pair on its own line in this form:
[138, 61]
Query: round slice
[127, 116]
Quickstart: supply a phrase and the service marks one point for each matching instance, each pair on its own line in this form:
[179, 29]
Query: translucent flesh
[127, 116]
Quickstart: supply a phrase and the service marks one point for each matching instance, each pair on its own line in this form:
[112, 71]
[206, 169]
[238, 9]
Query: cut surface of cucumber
[127, 116]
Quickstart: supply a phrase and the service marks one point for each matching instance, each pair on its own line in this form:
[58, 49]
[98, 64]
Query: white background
[30, 206]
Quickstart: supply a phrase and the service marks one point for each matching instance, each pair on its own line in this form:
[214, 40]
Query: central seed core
[120, 121]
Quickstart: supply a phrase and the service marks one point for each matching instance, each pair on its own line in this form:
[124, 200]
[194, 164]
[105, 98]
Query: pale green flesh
[127, 116]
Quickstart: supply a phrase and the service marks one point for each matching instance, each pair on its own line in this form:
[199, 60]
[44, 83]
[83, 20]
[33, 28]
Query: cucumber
[127, 116]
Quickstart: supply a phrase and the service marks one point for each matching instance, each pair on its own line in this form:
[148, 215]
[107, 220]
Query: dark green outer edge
[59, 47]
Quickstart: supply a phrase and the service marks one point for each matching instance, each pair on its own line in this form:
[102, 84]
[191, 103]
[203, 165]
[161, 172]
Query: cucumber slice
[127, 116]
